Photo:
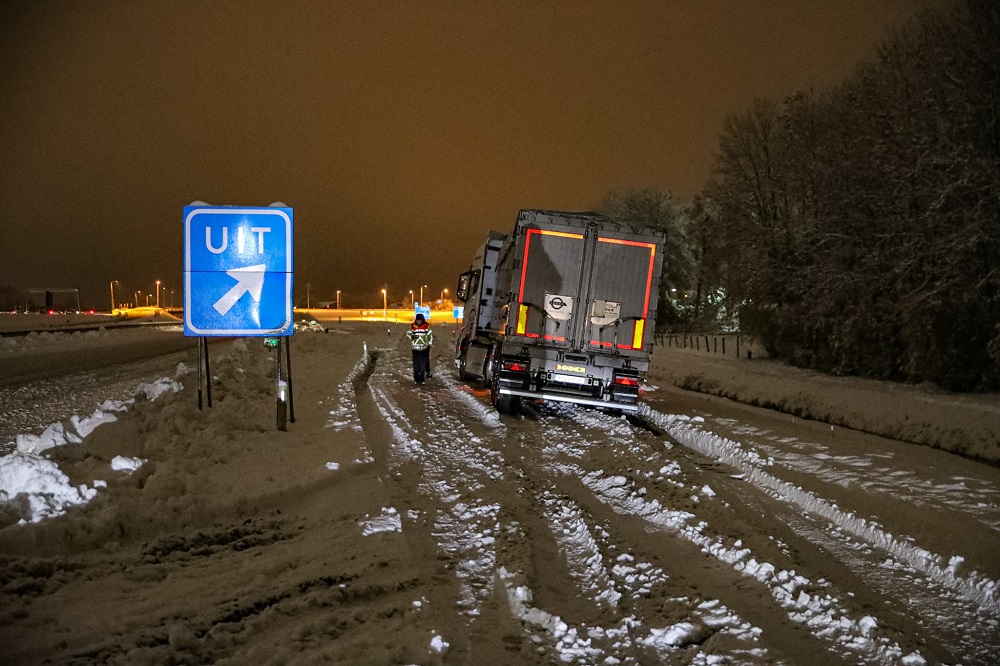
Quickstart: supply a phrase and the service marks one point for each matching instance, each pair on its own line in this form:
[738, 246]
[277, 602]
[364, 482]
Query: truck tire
[505, 404]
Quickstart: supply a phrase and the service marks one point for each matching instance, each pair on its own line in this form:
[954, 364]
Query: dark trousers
[421, 364]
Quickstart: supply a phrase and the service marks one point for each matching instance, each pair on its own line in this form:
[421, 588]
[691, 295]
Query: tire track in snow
[973, 587]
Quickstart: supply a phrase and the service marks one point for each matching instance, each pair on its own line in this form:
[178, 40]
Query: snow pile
[387, 521]
[105, 413]
[126, 464]
[311, 325]
[158, 388]
[53, 436]
[47, 490]
[439, 645]
[45, 487]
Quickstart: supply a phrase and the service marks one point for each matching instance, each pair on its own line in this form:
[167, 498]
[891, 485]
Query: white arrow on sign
[248, 278]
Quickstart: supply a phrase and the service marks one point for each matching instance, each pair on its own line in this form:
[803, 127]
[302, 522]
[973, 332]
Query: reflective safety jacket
[421, 337]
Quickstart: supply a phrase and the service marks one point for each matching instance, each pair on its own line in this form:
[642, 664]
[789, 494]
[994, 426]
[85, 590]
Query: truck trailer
[561, 309]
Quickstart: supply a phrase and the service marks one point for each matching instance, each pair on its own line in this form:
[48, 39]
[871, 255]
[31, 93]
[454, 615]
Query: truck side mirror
[462, 292]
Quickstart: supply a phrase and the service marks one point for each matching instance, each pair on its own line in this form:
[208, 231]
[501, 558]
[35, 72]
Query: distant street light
[147, 300]
[422, 293]
[338, 299]
[444, 292]
[411, 298]
[385, 305]
[113, 306]
[138, 291]
[157, 294]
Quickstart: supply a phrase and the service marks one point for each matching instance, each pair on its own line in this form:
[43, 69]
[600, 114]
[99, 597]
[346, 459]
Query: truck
[561, 309]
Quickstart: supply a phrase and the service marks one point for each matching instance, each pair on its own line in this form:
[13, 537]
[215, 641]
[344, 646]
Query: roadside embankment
[968, 424]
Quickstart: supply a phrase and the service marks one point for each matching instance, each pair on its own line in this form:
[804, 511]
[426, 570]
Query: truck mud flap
[561, 397]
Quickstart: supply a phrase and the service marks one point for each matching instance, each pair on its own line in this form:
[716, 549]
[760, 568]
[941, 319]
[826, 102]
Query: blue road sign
[237, 271]
[425, 310]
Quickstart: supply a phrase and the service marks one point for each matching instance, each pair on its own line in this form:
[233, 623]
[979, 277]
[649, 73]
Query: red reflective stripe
[557, 338]
[524, 264]
[531, 335]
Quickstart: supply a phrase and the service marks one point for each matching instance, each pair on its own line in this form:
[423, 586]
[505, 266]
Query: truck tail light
[625, 380]
[515, 366]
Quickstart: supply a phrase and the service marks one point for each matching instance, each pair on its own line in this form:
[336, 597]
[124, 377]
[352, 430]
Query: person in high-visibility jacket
[421, 338]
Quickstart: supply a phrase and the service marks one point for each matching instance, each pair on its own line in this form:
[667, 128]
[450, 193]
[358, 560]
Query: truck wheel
[500, 402]
[505, 404]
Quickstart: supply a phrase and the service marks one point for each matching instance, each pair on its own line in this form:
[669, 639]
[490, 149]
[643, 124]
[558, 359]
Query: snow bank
[46, 488]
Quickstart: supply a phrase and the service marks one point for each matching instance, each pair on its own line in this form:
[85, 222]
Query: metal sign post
[238, 277]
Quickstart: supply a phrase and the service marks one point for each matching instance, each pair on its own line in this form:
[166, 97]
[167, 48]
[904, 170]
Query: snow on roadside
[973, 586]
[45, 488]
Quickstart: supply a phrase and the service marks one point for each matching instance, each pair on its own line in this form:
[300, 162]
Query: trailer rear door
[620, 291]
[551, 266]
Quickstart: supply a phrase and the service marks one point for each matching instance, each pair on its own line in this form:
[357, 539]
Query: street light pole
[157, 294]
[338, 299]
[112, 294]
[139, 291]
[385, 306]
[422, 293]
[411, 298]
